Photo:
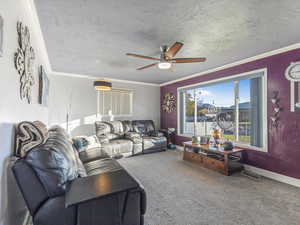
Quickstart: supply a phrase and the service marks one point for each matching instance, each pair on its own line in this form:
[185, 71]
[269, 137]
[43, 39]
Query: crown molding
[44, 53]
[243, 61]
[105, 78]
[48, 68]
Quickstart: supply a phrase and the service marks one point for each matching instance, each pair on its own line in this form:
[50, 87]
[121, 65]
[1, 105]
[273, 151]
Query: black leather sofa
[128, 138]
[59, 189]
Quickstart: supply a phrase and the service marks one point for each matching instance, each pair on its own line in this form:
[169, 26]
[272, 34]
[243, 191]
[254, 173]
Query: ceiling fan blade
[145, 67]
[142, 56]
[173, 50]
[188, 60]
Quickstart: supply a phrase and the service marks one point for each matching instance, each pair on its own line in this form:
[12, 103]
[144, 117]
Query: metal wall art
[44, 85]
[276, 109]
[169, 103]
[24, 62]
[1, 35]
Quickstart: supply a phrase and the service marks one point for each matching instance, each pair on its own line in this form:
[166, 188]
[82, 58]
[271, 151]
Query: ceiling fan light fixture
[164, 65]
[102, 85]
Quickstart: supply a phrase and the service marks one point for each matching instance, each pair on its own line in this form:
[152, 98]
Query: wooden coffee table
[214, 158]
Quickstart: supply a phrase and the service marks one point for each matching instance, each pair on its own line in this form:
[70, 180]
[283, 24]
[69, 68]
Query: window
[236, 106]
[116, 102]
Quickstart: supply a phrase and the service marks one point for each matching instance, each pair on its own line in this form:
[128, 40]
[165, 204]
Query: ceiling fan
[166, 59]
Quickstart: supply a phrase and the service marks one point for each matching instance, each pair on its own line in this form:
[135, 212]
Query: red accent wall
[283, 154]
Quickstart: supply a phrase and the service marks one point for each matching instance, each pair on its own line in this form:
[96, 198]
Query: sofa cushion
[54, 162]
[155, 133]
[152, 142]
[118, 147]
[102, 128]
[93, 154]
[143, 126]
[127, 126]
[134, 137]
[101, 166]
[117, 127]
[114, 136]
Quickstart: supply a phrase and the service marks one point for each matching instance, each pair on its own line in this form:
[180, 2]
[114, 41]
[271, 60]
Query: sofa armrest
[134, 137]
[160, 134]
[93, 154]
[95, 187]
[156, 133]
[103, 139]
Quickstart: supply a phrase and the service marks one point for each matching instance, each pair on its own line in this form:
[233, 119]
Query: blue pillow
[80, 143]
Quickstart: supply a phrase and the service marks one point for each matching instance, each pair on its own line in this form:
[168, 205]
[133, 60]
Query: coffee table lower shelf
[221, 166]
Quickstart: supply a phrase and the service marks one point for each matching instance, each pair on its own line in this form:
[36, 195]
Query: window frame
[99, 113]
[264, 148]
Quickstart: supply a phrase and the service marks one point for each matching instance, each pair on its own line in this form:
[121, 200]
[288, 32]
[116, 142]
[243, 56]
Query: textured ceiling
[91, 37]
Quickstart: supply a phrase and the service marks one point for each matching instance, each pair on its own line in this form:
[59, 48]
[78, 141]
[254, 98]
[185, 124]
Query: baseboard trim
[274, 176]
[266, 173]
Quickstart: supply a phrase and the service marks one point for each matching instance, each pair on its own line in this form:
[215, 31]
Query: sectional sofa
[128, 138]
[63, 188]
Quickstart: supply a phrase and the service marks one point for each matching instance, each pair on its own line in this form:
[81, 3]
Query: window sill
[250, 147]
[121, 115]
[185, 135]
[237, 144]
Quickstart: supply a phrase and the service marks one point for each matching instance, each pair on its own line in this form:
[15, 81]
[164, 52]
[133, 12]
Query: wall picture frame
[292, 74]
[1, 35]
[44, 85]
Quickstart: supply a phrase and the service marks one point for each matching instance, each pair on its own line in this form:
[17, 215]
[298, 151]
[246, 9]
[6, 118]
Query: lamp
[102, 85]
[164, 65]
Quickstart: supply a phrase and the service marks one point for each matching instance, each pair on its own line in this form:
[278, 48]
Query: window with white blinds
[116, 102]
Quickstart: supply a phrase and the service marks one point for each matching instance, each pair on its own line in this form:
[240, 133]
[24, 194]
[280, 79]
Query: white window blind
[116, 102]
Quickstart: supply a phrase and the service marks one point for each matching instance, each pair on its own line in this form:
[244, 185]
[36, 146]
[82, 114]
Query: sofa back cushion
[117, 127]
[102, 128]
[127, 126]
[111, 130]
[143, 126]
[55, 162]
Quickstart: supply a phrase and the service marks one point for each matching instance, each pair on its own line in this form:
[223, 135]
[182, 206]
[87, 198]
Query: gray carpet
[181, 193]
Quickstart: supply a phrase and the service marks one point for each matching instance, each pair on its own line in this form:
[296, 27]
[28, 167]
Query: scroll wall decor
[24, 62]
[169, 104]
[276, 109]
[1, 35]
[44, 85]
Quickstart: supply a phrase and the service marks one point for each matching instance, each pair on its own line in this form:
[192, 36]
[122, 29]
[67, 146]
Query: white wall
[83, 98]
[12, 109]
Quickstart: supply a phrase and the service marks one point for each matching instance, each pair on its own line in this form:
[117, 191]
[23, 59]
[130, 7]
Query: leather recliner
[152, 139]
[50, 174]
[129, 137]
